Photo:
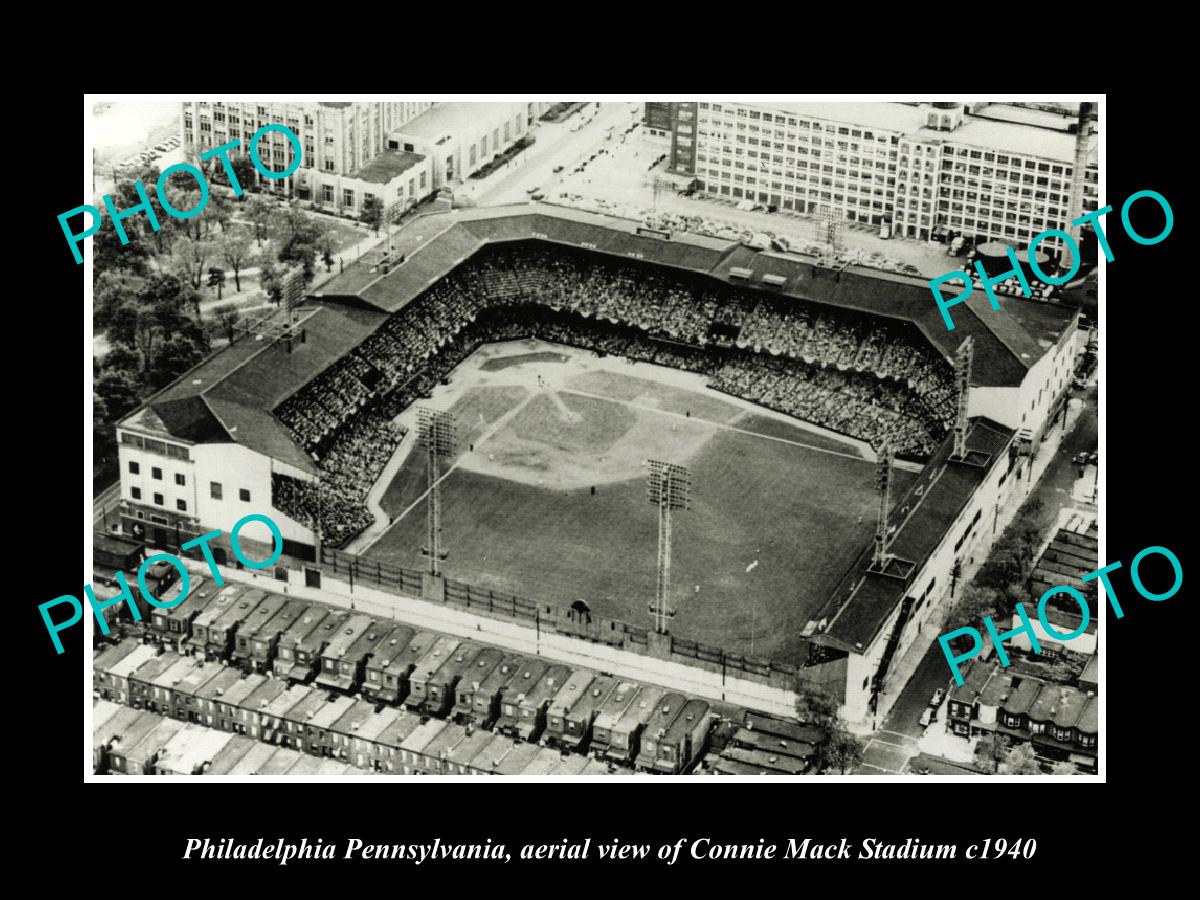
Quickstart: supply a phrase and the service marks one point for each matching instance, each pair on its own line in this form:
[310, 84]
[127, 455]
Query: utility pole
[668, 487]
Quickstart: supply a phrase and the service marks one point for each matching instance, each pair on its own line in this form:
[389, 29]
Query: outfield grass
[792, 508]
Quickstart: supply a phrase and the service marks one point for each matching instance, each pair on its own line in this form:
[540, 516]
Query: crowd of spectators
[853, 374]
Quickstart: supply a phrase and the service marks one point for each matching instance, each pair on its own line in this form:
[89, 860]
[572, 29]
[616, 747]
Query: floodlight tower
[436, 432]
[668, 487]
[962, 384]
[884, 481]
[829, 223]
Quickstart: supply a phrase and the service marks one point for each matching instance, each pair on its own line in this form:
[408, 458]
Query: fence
[549, 617]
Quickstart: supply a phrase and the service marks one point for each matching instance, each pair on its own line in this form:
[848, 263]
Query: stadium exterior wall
[930, 586]
[1031, 407]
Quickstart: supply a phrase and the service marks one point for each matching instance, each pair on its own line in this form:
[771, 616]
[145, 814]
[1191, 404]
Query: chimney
[1078, 177]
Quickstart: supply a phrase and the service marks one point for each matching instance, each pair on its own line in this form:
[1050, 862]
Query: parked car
[926, 717]
[532, 190]
[557, 169]
[936, 700]
[538, 196]
[1081, 458]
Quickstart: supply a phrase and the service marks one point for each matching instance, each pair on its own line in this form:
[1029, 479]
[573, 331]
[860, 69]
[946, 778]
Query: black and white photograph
[596, 439]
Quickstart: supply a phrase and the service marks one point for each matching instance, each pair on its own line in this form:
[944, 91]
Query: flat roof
[421, 736]
[279, 762]
[191, 748]
[216, 687]
[331, 712]
[176, 672]
[505, 756]
[129, 660]
[640, 710]
[314, 642]
[347, 634]
[390, 646]
[403, 661]
[262, 615]
[486, 661]
[375, 724]
[353, 719]
[441, 650]
[307, 622]
[229, 755]
[395, 733]
[468, 746]
[573, 689]
[387, 165]
[547, 686]
[153, 740]
[595, 694]
[237, 692]
[259, 700]
[616, 703]
[116, 724]
[152, 668]
[304, 711]
[458, 663]
[692, 715]
[449, 119]
[253, 758]
[287, 699]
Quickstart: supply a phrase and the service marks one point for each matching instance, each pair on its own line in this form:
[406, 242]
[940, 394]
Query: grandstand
[313, 425]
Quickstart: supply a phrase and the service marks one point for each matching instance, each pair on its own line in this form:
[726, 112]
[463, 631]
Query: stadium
[843, 450]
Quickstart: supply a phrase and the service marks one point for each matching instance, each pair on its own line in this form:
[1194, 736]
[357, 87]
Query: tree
[842, 751]
[103, 442]
[1020, 760]
[236, 252]
[216, 278]
[260, 212]
[175, 356]
[991, 750]
[118, 391]
[972, 605]
[372, 212]
[191, 257]
[270, 277]
[816, 706]
[299, 248]
[121, 358]
[219, 210]
[227, 317]
[110, 255]
[1063, 768]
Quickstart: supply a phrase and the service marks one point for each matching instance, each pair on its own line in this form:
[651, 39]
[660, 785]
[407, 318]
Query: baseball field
[545, 495]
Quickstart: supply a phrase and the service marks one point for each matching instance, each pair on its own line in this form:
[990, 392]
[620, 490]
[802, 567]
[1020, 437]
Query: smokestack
[1078, 175]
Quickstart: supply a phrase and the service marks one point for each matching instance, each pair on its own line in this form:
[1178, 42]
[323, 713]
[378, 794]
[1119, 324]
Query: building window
[214, 490]
[347, 197]
[180, 479]
[158, 499]
[156, 473]
[134, 468]
[135, 493]
[244, 495]
[181, 505]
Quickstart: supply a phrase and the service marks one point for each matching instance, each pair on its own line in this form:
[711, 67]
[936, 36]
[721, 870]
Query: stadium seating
[864, 377]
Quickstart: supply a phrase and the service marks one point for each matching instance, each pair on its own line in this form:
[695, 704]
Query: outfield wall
[689, 668]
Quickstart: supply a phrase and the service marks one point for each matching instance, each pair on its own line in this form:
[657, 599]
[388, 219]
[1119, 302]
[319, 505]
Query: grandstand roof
[229, 396]
[865, 599]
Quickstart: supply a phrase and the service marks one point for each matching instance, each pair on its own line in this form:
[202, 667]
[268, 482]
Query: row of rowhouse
[233, 652]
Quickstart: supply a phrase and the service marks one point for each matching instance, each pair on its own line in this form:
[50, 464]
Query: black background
[1082, 829]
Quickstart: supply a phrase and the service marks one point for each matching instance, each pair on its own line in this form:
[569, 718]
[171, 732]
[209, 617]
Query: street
[556, 145]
